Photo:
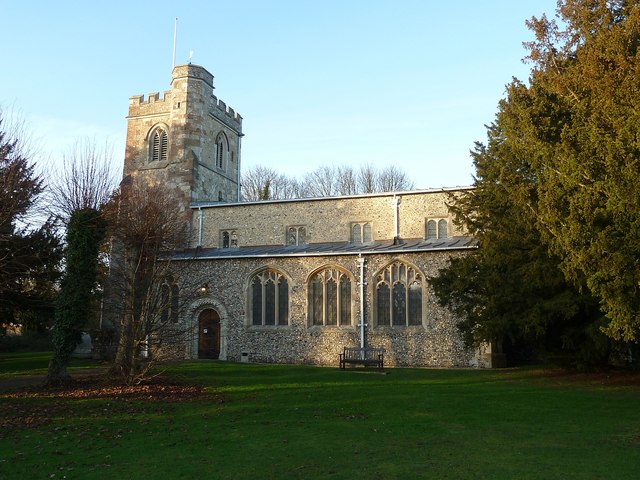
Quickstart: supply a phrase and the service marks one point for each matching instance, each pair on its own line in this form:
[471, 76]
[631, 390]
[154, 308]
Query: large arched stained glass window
[329, 298]
[269, 298]
[399, 296]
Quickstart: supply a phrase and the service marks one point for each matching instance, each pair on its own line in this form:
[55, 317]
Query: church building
[293, 281]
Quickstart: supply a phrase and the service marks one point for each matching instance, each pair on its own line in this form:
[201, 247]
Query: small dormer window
[159, 147]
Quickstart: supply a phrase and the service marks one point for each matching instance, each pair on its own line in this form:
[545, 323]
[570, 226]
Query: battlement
[154, 97]
[222, 111]
[185, 79]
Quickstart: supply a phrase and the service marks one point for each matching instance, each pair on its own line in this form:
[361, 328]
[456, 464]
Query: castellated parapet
[155, 103]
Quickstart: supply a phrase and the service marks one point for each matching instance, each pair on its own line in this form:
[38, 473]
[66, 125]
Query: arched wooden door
[209, 334]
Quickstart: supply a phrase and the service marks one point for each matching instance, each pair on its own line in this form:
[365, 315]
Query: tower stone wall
[202, 161]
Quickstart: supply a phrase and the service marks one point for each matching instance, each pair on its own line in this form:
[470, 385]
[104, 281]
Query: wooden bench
[362, 356]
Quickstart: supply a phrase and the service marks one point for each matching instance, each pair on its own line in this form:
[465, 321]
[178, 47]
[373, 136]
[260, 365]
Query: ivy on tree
[85, 232]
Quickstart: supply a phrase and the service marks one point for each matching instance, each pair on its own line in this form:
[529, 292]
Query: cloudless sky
[405, 82]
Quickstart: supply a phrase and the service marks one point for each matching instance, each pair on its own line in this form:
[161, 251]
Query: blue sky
[404, 82]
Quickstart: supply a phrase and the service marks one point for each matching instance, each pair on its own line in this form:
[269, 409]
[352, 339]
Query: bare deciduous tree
[146, 291]
[261, 183]
[367, 179]
[392, 179]
[347, 181]
[86, 179]
[322, 182]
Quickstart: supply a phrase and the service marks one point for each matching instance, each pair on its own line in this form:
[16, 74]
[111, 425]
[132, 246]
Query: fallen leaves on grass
[16, 412]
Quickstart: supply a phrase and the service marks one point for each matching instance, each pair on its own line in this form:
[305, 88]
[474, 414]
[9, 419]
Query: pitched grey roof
[335, 248]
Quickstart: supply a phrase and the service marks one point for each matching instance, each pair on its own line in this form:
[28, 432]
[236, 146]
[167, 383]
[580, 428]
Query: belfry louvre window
[330, 298]
[361, 232]
[222, 149]
[399, 296]
[437, 229]
[296, 235]
[269, 299]
[159, 145]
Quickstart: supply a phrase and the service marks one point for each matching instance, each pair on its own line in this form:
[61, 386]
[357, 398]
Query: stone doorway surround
[207, 309]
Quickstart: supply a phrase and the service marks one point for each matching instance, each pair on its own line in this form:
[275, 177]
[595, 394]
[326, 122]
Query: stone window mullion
[324, 301]
[338, 301]
[391, 304]
[264, 302]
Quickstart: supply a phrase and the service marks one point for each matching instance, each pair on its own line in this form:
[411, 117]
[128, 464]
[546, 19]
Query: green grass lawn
[278, 421]
[30, 363]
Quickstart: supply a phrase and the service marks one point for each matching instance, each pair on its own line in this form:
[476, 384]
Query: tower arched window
[222, 150]
[399, 296]
[329, 298]
[159, 145]
[269, 298]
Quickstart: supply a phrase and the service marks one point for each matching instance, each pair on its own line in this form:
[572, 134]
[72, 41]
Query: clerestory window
[399, 296]
[437, 229]
[329, 300]
[361, 232]
[296, 235]
[229, 239]
[269, 298]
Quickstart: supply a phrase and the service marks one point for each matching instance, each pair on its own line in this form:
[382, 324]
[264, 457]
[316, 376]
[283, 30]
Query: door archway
[209, 334]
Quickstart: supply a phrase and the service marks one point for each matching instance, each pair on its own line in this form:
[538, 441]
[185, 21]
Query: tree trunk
[57, 374]
[124, 362]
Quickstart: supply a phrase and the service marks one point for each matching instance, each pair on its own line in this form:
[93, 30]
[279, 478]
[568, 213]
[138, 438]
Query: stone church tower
[187, 140]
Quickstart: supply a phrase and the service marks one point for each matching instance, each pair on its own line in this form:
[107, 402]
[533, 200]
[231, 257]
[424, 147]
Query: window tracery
[399, 292]
[269, 298]
[329, 301]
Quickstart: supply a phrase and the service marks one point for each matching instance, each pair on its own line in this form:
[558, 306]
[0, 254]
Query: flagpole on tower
[175, 35]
